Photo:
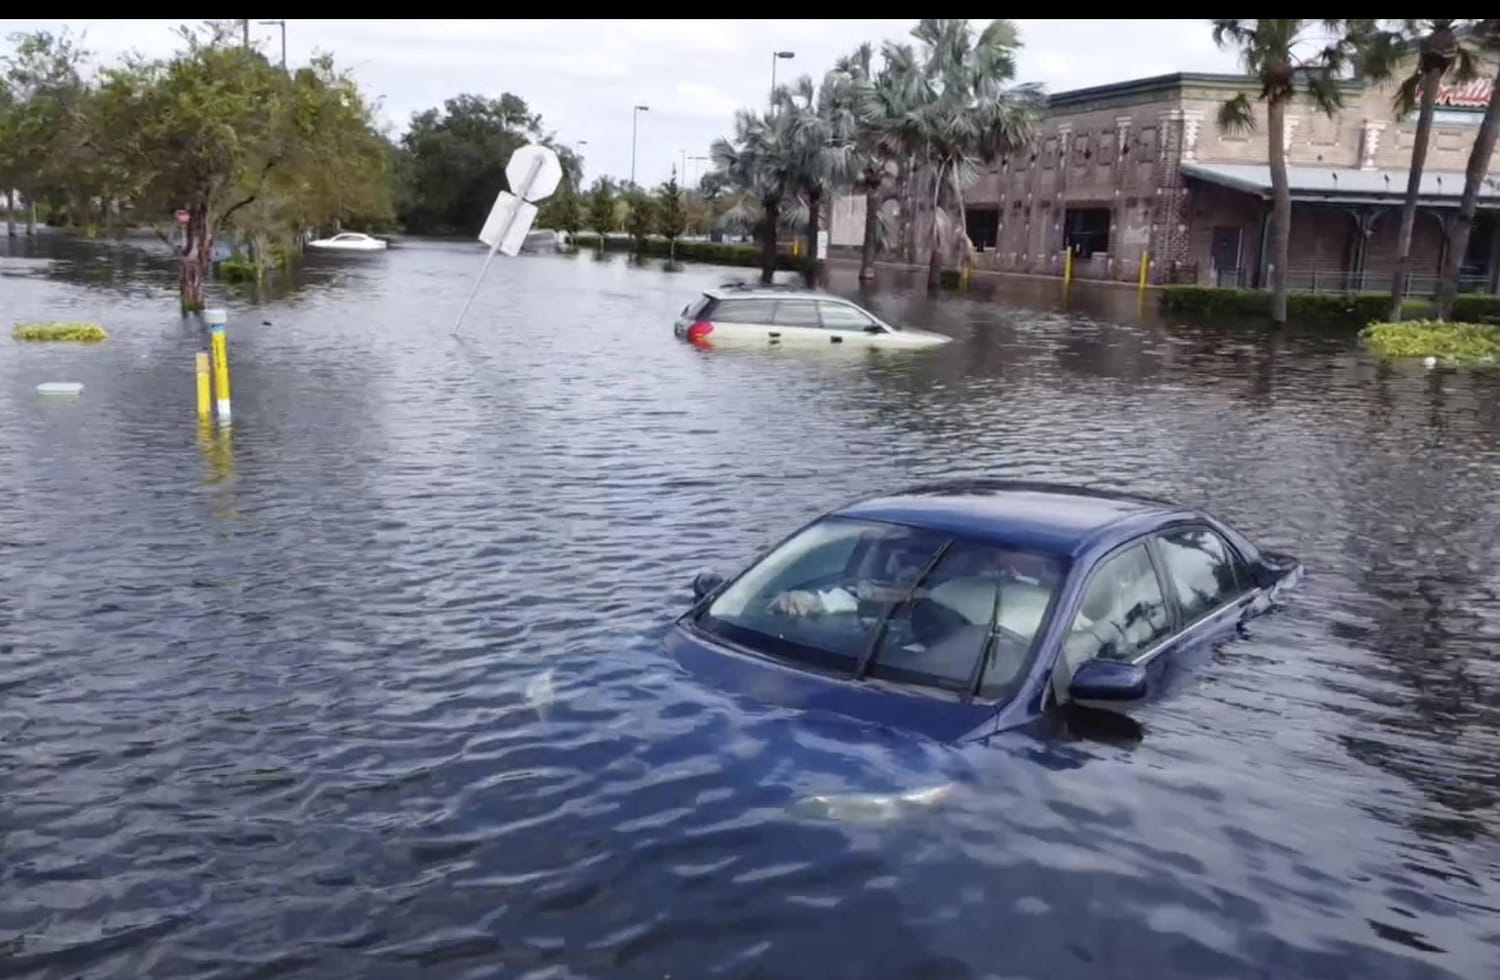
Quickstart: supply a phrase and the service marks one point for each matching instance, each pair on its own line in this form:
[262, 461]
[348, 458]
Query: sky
[585, 77]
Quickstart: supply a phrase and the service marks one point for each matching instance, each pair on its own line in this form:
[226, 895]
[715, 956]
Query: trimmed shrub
[950, 278]
[715, 253]
[1356, 309]
[236, 269]
[1456, 342]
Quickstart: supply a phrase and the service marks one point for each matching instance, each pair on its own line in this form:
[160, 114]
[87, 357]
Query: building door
[1225, 256]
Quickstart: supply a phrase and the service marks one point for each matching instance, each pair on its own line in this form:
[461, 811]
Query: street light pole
[775, 55]
[634, 115]
[282, 25]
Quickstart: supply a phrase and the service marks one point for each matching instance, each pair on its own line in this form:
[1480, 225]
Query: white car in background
[747, 314]
[349, 241]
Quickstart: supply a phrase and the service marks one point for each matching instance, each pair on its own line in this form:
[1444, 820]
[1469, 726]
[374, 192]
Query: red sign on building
[1470, 95]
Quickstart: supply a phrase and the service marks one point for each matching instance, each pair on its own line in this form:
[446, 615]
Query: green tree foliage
[41, 100]
[562, 211]
[220, 132]
[456, 157]
[601, 216]
[671, 218]
[642, 218]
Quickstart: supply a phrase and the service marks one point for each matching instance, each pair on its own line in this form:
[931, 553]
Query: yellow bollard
[963, 277]
[216, 320]
[205, 399]
[1145, 270]
[1068, 266]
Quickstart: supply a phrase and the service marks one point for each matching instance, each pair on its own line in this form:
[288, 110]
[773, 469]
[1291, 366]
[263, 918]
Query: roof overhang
[1343, 186]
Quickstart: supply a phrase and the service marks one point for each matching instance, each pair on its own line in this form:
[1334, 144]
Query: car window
[820, 596]
[745, 311]
[842, 316]
[1123, 612]
[696, 307]
[1202, 569]
[797, 313]
[937, 638]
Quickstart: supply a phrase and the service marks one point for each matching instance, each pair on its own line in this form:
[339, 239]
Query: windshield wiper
[863, 666]
[988, 651]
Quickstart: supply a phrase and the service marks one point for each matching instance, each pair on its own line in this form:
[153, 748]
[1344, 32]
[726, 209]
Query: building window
[1049, 153]
[1106, 155]
[1146, 144]
[1086, 230]
[982, 226]
[1082, 151]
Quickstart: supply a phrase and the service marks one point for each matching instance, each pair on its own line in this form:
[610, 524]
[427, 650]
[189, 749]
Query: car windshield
[904, 604]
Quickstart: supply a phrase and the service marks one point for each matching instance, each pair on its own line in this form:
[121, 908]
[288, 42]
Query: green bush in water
[85, 333]
[1464, 343]
[236, 269]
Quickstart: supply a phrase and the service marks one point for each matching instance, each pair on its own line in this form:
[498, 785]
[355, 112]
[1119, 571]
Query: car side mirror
[1108, 680]
[705, 583]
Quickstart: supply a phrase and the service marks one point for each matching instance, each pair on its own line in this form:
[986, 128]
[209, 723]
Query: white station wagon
[746, 314]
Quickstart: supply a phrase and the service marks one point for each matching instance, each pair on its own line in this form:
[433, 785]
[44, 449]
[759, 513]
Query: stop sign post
[533, 173]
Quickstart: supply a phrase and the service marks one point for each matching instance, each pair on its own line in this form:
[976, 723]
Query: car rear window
[744, 311]
[697, 307]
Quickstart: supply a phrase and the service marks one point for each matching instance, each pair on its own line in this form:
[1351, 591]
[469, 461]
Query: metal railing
[1338, 281]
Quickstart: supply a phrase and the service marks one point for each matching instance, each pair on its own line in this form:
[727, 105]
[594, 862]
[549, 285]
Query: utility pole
[245, 24]
[282, 25]
[634, 115]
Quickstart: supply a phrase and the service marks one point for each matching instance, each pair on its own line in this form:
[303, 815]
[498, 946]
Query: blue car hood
[768, 680]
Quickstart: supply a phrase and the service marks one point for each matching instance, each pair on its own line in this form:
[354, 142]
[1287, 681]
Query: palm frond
[1237, 115]
[1409, 94]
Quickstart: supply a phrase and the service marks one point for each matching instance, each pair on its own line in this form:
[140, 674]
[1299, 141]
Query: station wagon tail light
[699, 330]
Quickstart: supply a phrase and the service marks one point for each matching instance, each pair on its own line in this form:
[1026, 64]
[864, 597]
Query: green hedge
[716, 253]
[1455, 342]
[1355, 309]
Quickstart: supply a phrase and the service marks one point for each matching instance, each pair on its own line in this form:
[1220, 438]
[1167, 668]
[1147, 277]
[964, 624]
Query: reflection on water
[368, 685]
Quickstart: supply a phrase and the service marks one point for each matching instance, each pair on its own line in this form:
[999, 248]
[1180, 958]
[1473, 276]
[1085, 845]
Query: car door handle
[835, 340]
[774, 335]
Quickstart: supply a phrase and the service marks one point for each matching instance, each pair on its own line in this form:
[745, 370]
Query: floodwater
[369, 687]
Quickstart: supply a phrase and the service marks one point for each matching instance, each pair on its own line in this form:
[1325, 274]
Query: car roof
[749, 290]
[1060, 519]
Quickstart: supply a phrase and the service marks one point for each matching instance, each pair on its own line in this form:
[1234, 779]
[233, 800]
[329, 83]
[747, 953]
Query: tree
[41, 97]
[887, 134]
[457, 159]
[1439, 55]
[641, 220]
[1272, 53]
[966, 116]
[755, 164]
[601, 215]
[218, 128]
[671, 219]
[820, 149]
[1487, 33]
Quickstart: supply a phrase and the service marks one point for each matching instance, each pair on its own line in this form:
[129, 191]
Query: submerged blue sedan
[961, 610]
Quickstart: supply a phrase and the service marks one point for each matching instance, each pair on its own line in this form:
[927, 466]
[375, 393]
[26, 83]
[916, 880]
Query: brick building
[1142, 166]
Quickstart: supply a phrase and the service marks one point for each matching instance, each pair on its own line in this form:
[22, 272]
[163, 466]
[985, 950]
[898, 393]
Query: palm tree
[883, 104]
[1487, 34]
[967, 115]
[756, 165]
[1439, 55]
[821, 129]
[1270, 51]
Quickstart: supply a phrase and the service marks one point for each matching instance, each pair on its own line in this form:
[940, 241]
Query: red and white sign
[1470, 95]
[183, 216]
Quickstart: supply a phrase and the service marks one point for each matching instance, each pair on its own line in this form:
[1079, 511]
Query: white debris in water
[873, 807]
[59, 387]
[1429, 361]
[541, 693]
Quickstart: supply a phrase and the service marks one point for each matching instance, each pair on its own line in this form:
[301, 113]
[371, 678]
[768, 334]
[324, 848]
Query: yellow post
[963, 276]
[216, 320]
[1145, 269]
[1068, 266]
[205, 400]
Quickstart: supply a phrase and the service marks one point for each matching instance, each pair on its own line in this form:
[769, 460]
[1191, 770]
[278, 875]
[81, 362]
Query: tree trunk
[814, 206]
[193, 260]
[905, 239]
[10, 214]
[768, 241]
[30, 219]
[935, 255]
[1430, 81]
[1463, 222]
[1281, 207]
[872, 233]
